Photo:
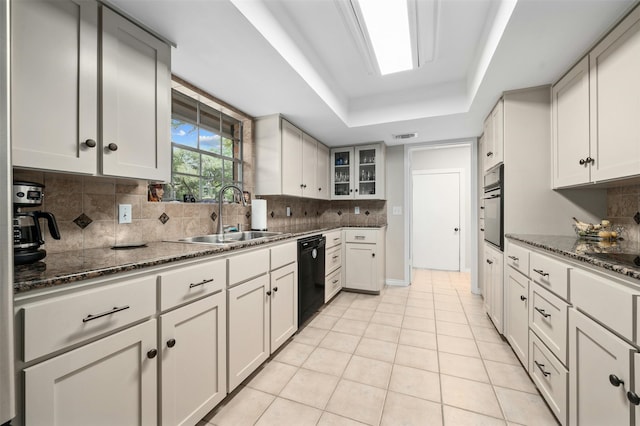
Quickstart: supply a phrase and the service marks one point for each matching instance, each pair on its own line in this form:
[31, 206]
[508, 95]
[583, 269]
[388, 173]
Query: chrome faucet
[220, 201]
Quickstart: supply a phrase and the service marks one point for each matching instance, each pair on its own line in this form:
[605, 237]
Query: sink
[229, 238]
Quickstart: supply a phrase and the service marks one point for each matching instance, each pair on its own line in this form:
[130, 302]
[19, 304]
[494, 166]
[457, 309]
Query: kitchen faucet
[220, 201]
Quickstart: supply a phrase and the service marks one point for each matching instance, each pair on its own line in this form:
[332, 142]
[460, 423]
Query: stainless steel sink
[229, 238]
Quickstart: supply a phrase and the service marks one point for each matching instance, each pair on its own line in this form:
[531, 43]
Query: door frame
[461, 214]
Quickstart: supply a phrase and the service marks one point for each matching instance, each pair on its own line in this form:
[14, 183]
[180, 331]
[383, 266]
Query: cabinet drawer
[284, 254]
[245, 266]
[334, 238]
[191, 282]
[518, 258]
[333, 259]
[550, 274]
[548, 319]
[66, 320]
[609, 302]
[550, 377]
[361, 236]
[332, 285]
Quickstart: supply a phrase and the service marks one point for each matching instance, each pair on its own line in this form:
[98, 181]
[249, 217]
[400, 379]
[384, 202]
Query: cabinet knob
[112, 147]
[152, 353]
[633, 398]
[582, 162]
[351, 190]
[90, 143]
[171, 343]
[301, 185]
[275, 289]
[523, 298]
[590, 160]
[319, 189]
[268, 292]
[489, 262]
[615, 380]
[489, 154]
[356, 190]
[373, 255]
[456, 229]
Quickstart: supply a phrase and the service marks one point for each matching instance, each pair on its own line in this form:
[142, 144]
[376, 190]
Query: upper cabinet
[358, 172]
[88, 101]
[494, 137]
[595, 111]
[289, 161]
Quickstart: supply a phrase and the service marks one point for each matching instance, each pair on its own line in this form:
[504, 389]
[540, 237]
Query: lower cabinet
[494, 287]
[283, 307]
[549, 376]
[517, 313]
[364, 259]
[193, 349]
[108, 382]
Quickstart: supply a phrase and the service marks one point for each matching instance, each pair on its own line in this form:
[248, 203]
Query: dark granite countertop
[587, 251]
[74, 266]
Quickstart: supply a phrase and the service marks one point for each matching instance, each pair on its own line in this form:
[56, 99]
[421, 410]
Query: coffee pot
[27, 234]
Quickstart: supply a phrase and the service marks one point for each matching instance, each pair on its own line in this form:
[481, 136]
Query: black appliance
[494, 207]
[27, 236]
[310, 276]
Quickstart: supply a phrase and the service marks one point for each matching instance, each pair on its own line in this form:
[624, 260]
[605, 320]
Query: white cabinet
[517, 314]
[108, 382]
[494, 286]
[333, 264]
[364, 259]
[494, 137]
[58, 41]
[550, 376]
[358, 172]
[289, 161]
[283, 305]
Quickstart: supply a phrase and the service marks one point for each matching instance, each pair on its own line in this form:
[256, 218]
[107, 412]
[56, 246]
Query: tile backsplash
[622, 204]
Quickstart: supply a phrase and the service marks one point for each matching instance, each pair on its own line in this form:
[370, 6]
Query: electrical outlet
[397, 210]
[124, 213]
[288, 211]
[356, 210]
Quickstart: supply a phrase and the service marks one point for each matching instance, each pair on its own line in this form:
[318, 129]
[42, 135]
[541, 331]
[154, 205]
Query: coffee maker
[27, 236]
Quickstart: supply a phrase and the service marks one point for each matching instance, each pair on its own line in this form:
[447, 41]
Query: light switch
[288, 211]
[397, 210]
[124, 213]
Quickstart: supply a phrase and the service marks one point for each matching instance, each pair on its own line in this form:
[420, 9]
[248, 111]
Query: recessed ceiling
[301, 59]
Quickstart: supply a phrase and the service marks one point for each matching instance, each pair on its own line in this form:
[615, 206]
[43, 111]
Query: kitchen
[103, 193]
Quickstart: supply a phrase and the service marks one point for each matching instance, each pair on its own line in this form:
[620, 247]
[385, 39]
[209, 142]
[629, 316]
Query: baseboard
[399, 283]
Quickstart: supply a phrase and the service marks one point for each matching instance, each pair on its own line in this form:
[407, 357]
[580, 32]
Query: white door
[284, 304]
[436, 220]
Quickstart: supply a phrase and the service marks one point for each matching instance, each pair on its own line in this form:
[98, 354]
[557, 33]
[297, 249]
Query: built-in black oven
[494, 207]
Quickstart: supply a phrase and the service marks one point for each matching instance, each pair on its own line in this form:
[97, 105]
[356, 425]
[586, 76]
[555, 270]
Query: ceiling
[300, 58]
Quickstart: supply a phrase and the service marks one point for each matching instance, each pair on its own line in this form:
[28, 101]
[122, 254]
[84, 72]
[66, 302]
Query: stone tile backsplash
[622, 204]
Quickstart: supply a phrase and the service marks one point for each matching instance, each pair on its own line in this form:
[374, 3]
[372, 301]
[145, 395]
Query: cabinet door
[108, 382]
[291, 159]
[487, 152]
[193, 349]
[596, 358]
[517, 312]
[497, 288]
[248, 331]
[487, 272]
[367, 172]
[360, 265]
[54, 83]
[322, 172]
[615, 88]
[570, 127]
[284, 304]
[136, 101]
[342, 161]
[497, 121]
[309, 165]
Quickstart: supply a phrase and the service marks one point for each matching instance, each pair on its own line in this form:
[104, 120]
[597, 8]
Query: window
[206, 148]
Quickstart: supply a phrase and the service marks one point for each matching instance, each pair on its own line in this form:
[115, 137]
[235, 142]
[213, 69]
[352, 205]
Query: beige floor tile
[283, 412]
[420, 324]
[463, 366]
[377, 349]
[448, 306]
[448, 316]
[411, 356]
[368, 371]
[370, 303]
[397, 300]
[457, 417]
[420, 302]
[310, 335]
[244, 409]
[470, 395]
[446, 298]
[500, 352]
[457, 345]
[390, 308]
[453, 329]
[486, 334]
[324, 321]
[294, 353]
[358, 314]
[421, 339]
[345, 298]
[340, 342]
[415, 382]
[327, 361]
[310, 388]
[509, 376]
[419, 295]
[348, 326]
[358, 402]
[334, 310]
[393, 320]
[443, 288]
[413, 311]
[406, 410]
[522, 407]
[382, 332]
[273, 377]
[481, 320]
[330, 419]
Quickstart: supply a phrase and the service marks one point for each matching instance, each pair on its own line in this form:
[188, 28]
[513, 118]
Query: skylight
[387, 22]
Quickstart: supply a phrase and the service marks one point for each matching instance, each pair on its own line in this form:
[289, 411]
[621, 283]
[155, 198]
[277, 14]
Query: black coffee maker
[27, 236]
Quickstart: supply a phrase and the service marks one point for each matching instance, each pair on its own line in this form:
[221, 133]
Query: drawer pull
[335, 257]
[633, 398]
[615, 380]
[335, 281]
[515, 259]
[91, 317]
[171, 343]
[541, 367]
[336, 239]
[542, 312]
[203, 282]
[541, 272]
[359, 237]
[490, 262]
[523, 298]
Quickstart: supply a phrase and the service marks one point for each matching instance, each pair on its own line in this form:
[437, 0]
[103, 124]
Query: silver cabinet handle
[541, 272]
[203, 282]
[542, 312]
[489, 262]
[515, 259]
[359, 237]
[541, 367]
[91, 317]
[335, 257]
[335, 281]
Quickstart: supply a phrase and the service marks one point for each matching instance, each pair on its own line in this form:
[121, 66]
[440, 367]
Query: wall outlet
[356, 210]
[288, 211]
[124, 213]
[397, 210]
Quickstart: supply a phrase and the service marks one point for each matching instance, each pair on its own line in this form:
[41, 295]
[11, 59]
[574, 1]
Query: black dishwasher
[310, 276]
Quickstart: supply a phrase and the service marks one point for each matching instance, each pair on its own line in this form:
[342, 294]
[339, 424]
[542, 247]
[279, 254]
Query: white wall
[396, 258]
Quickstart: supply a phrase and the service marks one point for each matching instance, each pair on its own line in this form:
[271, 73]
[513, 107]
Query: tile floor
[420, 355]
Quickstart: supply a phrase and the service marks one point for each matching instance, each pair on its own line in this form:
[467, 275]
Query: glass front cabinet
[357, 172]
